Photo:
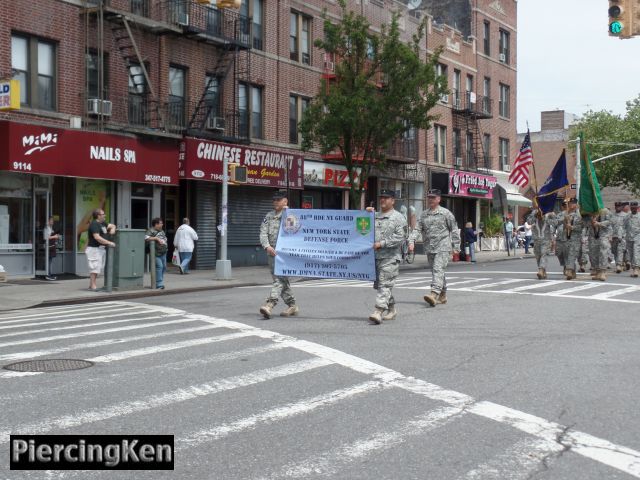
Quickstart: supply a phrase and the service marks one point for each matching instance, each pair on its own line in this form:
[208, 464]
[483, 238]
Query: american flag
[520, 169]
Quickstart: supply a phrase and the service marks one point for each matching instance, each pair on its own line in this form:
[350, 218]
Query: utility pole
[223, 266]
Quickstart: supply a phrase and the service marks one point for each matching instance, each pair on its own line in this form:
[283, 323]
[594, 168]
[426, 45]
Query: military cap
[617, 204]
[279, 195]
[634, 204]
[573, 200]
[387, 193]
[434, 192]
[624, 204]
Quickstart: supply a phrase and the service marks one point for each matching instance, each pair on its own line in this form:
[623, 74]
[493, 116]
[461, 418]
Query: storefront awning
[78, 153]
[202, 160]
[518, 200]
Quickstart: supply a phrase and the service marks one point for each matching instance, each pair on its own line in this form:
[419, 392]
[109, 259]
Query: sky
[567, 61]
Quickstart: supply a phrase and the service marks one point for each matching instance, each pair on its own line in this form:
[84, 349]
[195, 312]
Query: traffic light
[620, 18]
[237, 173]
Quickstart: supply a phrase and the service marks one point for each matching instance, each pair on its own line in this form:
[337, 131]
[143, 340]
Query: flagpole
[578, 167]
[533, 164]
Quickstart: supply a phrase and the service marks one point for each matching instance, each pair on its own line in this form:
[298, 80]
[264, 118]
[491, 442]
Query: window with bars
[93, 75]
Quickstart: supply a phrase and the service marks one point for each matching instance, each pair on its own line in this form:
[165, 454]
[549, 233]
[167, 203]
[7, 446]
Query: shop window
[16, 214]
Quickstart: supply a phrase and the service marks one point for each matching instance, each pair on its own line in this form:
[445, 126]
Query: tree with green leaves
[607, 133]
[382, 87]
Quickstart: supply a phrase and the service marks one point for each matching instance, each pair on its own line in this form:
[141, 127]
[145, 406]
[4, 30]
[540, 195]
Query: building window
[504, 154]
[440, 143]
[456, 87]
[486, 146]
[504, 46]
[487, 38]
[177, 94]
[505, 92]
[457, 147]
[471, 155]
[212, 95]
[137, 109]
[140, 7]
[33, 61]
[250, 110]
[93, 75]
[253, 9]
[300, 38]
[297, 107]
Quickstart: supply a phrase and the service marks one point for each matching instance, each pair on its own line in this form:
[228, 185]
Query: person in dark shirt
[96, 248]
[470, 239]
[156, 234]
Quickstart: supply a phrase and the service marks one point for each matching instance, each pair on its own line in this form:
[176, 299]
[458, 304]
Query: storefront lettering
[39, 142]
[112, 154]
[340, 178]
[464, 184]
[259, 158]
[217, 152]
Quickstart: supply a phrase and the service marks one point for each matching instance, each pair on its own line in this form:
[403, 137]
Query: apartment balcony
[472, 105]
[404, 150]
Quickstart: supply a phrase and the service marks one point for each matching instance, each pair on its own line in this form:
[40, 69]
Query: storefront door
[141, 213]
[41, 217]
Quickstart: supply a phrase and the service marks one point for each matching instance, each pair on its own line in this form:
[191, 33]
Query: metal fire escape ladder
[479, 155]
[129, 52]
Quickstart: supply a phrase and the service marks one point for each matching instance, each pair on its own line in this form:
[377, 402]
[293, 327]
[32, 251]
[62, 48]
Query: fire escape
[468, 110]
[141, 109]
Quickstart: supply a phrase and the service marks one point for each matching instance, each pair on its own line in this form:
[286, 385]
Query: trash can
[128, 261]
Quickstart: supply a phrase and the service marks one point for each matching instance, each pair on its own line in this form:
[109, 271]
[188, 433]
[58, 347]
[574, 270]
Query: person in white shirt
[184, 241]
[528, 233]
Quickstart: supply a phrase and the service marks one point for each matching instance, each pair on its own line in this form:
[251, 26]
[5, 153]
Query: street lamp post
[223, 266]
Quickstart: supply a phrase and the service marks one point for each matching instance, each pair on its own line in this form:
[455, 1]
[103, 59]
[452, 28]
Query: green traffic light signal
[616, 27]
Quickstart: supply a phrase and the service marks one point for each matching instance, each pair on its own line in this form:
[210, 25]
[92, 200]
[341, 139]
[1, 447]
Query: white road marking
[167, 398]
[95, 332]
[578, 288]
[496, 284]
[467, 281]
[615, 293]
[100, 343]
[279, 413]
[329, 463]
[518, 462]
[534, 286]
[34, 319]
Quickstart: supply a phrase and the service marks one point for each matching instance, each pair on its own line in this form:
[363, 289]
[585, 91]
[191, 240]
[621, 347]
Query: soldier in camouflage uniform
[599, 230]
[543, 227]
[440, 235]
[632, 229]
[618, 242]
[268, 239]
[573, 230]
[561, 236]
[389, 235]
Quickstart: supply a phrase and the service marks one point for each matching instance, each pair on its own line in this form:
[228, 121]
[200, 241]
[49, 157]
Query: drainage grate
[50, 365]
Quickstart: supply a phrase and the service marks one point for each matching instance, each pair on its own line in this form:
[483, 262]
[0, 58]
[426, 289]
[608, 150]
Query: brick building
[130, 105]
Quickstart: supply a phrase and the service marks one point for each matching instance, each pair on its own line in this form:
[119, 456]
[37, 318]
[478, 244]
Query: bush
[492, 225]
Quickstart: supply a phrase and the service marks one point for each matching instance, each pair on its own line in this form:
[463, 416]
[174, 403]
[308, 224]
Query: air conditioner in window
[507, 168]
[329, 66]
[93, 106]
[181, 18]
[457, 161]
[107, 107]
[215, 123]
[444, 98]
[503, 58]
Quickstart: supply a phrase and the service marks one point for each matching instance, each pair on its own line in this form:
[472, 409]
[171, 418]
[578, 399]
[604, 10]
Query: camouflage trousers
[618, 249]
[633, 249]
[562, 252]
[599, 251]
[583, 256]
[574, 253]
[280, 287]
[387, 270]
[541, 249]
[438, 262]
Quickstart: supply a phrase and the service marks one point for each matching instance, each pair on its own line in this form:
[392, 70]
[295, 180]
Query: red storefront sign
[75, 153]
[469, 184]
[202, 160]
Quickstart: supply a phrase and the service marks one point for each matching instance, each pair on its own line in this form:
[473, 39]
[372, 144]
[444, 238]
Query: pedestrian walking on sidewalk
[156, 234]
[528, 235]
[441, 236]
[281, 286]
[99, 238]
[470, 239]
[51, 242]
[389, 236]
[184, 241]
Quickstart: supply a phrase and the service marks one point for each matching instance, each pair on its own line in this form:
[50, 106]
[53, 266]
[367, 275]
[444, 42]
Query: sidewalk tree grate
[48, 365]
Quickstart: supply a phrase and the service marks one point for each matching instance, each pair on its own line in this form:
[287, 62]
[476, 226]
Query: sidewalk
[26, 293]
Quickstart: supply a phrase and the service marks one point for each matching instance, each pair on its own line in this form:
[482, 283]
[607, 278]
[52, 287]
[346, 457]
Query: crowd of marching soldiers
[597, 239]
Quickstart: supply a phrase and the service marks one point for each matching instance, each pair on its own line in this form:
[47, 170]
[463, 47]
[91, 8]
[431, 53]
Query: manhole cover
[52, 365]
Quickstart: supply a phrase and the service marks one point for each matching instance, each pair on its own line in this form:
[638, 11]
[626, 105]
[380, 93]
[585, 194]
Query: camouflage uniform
[632, 229]
[562, 244]
[269, 238]
[440, 235]
[389, 231]
[574, 242]
[542, 236]
[618, 242]
[599, 243]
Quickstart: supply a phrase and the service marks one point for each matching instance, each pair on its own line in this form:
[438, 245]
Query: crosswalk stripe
[72, 327]
[533, 286]
[279, 413]
[102, 343]
[329, 463]
[85, 312]
[577, 288]
[49, 310]
[96, 332]
[167, 398]
[403, 282]
[518, 462]
[615, 293]
[496, 284]
[464, 282]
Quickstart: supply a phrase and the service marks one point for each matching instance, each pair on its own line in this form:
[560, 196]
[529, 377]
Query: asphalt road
[512, 379]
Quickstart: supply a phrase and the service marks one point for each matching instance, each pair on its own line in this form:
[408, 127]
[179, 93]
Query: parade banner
[326, 244]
